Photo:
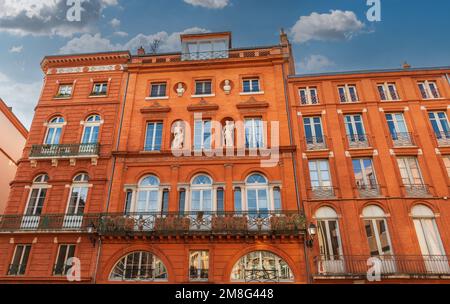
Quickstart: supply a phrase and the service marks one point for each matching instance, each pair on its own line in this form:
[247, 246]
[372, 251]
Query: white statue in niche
[180, 89]
[178, 139]
[228, 134]
[227, 87]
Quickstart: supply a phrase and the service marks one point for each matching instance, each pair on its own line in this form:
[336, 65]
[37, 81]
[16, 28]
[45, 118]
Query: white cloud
[337, 25]
[95, 43]
[39, 17]
[213, 4]
[16, 49]
[115, 23]
[121, 34]
[22, 97]
[315, 63]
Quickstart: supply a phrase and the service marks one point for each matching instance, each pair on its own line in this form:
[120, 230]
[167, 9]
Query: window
[308, 96]
[19, 261]
[203, 50]
[77, 201]
[377, 231]
[398, 129]
[54, 130]
[65, 90]
[364, 173]
[139, 266]
[62, 265]
[201, 194]
[100, 89]
[35, 203]
[251, 85]
[261, 266]
[441, 128]
[182, 201]
[199, 265]
[388, 91]
[238, 199]
[313, 132]
[203, 87]
[153, 137]
[320, 174]
[258, 194]
[430, 241]
[254, 136]
[354, 127]
[347, 93]
[446, 159]
[220, 195]
[149, 196]
[165, 201]
[91, 129]
[410, 171]
[158, 90]
[429, 89]
[202, 134]
[277, 198]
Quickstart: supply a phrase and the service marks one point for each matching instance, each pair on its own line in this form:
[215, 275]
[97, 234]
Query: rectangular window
[199, 266]
[65, 253]
[65, 90]
[158, 90]
[251, 85]
[354, 127]
[165, 201]
[446, 159]
[100, 89]
[441, 127]
[254, 133]
[128, 201]
[202, 135]
[348, 93]
[313, 130]
[320, 173]
[153, 138]
[308, 96]
[388, 91]
[429, 89]
[330, 241]
[182, 201]
[220, 200]
[36, 202]
[364, 173]
[77, 200]
[203, 87]
[238, 199]
[19, 261]
[277, 198]
[410, 171]
[378, 237]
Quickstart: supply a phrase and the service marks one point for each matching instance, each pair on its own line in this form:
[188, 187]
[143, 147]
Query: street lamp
[312, 232]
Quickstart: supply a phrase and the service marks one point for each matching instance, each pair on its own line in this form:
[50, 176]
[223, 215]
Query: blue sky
[326, 35]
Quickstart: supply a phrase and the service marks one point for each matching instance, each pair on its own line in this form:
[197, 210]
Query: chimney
[141, 51]
[406, 65]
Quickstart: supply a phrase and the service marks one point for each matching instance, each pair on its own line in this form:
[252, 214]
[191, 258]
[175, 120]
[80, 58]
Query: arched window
[77, 201]
[35, 202]
[257, 192]
[54, 130]
[329, 241]
[202, 193]
[149, 195]
[139, 266]
[377, 231]
[91, 129]
[261, 266]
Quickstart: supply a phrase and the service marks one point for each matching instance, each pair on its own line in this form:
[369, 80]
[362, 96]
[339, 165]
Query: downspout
[108, 200]
[300, 204]
[448, 78]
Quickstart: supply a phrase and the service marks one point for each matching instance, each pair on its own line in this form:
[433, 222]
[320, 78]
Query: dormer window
[205, 46]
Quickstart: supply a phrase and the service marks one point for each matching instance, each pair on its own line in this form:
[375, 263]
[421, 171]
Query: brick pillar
[173, 197]
[229, 197]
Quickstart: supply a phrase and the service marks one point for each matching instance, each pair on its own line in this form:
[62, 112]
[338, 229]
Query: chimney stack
[141, 51]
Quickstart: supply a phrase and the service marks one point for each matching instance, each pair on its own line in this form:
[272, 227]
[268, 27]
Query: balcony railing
[366, 191]
[417, 190]
[261, 275]
[64, 151]
[322, 193]
[48, 222]
[210, 223]
[316, 143]
[358, 141]
[443, 139]
[402, 139]
[357, 266]
[205, 55]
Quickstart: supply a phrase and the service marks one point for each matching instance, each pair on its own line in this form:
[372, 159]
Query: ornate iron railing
[402, 139]
[49, 222]
[372, 190]
[417, 190]
[443, 139]
[261, 275]
[316, 143]
[388, 265]
[64, 151]
[211, 223]
[198, 274]
[322, 193]
[358, 141]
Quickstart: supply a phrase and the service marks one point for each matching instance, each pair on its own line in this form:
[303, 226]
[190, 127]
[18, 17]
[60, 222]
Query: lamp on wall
[312, 232]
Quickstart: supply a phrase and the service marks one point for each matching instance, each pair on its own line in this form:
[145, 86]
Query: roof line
[84, 54]
[13, 119]
[370, 71]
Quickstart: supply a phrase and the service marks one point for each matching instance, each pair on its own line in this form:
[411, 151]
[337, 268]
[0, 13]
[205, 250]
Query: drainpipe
[448, 78]
[300, 205]
[108, 200]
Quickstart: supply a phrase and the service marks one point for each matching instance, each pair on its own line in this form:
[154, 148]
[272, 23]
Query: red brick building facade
[215, 164]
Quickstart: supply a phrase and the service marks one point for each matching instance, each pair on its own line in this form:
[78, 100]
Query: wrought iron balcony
[65, 151]
[48, 222]
[316, 143]
[388, 265]
[262, 275]
[367, 191]
[322, 193]
[443, 139]
[358, 141]
[402, 139]
[417, 190]
[209, 223]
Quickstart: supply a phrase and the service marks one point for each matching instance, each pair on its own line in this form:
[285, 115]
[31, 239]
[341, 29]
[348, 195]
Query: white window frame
[364, 169]
[438, 120]
[387, 92]
[202, 134]
[65, 90]
[352, 123]
[427, 89]
[347, 94]
[319, 172]
[253, 141]
[252, 85]
[397, 122]
[410, 177]
[66, 256]
[313, 125]
[152, 148]
[25, 246]
[203, 82]
[373, 222]
[200, 260]
[202, 189]
[328, 238]
[95, 123]
[447, 163]
[81, 185]
[148, 189]
[309, 96]
[257, 187]
[159, 85]
[101, 86]
[57, 123]
[37, 185]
